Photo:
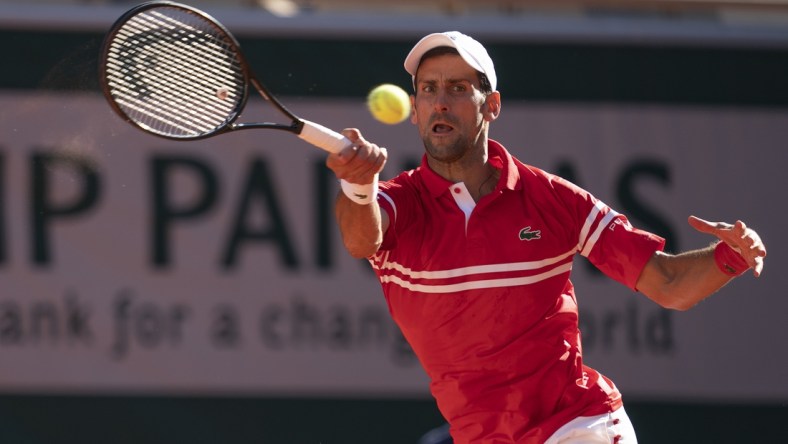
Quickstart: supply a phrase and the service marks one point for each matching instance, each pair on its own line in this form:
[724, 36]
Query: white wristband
[360, 194]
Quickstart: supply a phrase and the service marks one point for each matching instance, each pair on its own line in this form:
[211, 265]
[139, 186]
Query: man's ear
[413, 109]
[492, 106]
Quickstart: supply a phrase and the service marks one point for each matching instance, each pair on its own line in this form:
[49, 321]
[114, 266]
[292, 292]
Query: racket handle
[322, 137]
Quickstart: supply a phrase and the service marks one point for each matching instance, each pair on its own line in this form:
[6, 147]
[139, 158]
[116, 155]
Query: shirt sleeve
[609, 240]
[622, 251]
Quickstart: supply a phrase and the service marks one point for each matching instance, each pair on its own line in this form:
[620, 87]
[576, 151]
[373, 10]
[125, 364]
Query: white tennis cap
[471, 51]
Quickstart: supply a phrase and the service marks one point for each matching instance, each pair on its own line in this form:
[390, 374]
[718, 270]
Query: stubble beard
[447, 151]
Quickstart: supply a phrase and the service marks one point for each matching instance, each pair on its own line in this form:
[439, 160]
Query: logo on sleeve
[529, 235]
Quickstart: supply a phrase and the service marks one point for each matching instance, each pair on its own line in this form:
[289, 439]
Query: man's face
[448, 107]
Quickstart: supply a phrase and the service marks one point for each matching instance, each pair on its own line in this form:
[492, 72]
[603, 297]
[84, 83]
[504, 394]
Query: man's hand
[359, 162]
[739, 237]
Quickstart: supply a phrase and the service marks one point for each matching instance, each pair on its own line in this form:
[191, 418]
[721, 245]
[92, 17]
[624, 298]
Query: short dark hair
[484, 82]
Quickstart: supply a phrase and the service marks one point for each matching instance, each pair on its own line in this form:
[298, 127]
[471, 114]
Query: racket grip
[322, 137]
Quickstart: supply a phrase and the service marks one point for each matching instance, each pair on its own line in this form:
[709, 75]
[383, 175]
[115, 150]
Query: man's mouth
[441, 128]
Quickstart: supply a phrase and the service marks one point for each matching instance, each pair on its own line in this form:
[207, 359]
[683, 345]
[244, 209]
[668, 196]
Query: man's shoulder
[407, 178]
[533, 174]
[541, 185]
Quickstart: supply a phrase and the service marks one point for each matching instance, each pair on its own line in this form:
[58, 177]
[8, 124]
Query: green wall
[150, 420]
[529, 71]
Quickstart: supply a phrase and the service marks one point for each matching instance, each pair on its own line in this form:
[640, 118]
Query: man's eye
[428, 88]
[458, 88]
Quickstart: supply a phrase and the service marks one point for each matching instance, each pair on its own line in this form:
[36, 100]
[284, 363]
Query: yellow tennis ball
[389, 103]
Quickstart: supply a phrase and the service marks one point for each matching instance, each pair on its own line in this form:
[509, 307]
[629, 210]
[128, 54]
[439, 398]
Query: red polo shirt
[481, 291]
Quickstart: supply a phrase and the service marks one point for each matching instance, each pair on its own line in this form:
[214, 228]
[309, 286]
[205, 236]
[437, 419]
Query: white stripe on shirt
[476, 284]
[589, 221]
[477, 269]
[393, 206]
[598, 232]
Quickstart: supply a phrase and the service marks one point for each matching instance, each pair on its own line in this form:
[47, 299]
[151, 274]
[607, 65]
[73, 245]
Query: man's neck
[474, 170]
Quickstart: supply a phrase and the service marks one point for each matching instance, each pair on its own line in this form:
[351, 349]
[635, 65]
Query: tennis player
[474, 249]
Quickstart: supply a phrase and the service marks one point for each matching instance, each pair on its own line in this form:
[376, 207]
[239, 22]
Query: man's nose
[441, 101]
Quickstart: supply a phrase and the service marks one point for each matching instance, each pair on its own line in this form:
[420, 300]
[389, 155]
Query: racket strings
[183, 75]
[156, 104]
[174, 96]
[179, 75]
[175, 73]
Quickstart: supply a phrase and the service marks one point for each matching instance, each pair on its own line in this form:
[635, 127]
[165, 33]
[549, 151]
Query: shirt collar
[498, 157]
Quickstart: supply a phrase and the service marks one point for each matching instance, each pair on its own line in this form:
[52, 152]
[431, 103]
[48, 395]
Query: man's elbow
[362, 250]
[660, 282]
[678, 305]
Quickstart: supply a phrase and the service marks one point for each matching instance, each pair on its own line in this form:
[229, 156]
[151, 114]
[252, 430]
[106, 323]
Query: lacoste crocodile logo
[527, 234]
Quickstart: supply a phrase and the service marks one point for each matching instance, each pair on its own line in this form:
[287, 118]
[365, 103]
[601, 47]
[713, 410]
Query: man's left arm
[680, 281]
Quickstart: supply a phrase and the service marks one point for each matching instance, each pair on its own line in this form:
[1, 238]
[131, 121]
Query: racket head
[173, 71]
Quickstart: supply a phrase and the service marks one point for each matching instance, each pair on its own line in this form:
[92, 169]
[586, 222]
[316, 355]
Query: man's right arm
[362, 225]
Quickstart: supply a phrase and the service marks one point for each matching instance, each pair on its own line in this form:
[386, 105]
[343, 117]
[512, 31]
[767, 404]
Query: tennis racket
[175, 72]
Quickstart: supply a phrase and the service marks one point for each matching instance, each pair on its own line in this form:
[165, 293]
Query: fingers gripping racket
[174, 71]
